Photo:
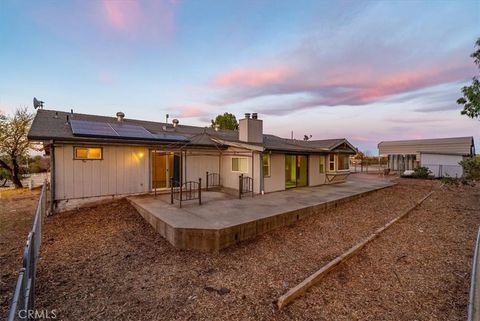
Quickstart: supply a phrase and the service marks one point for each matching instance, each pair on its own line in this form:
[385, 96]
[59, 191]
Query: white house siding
[440, 164]
[314, 175]
[276, 181]
[123, 170]
[199, 162]
[229, 178]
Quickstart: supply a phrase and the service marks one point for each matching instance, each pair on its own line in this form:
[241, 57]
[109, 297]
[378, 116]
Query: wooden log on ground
[313, 279]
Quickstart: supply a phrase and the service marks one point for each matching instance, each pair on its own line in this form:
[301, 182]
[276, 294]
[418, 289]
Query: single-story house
[440, 155]
[95, 157]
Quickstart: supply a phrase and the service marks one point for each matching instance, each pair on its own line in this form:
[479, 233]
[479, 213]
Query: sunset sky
[366, 71]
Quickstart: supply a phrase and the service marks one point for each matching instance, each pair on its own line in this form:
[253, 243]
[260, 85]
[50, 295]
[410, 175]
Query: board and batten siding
[197, 165]
[123, 170]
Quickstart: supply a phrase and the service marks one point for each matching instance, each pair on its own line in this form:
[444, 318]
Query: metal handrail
[186, 191]
[24, 294]
[212, 180]
[474, 297]
[245, 185]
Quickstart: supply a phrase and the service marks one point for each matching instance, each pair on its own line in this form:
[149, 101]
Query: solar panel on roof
[98, 129]
[90, 128]
[169, 137]
[131, 131]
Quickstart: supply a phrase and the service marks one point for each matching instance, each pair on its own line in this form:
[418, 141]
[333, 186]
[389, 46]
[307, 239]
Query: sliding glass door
[164, 166]
[296, 171]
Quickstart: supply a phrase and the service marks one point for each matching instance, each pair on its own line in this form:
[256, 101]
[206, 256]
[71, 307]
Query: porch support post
[171, 190]
[52, 177]
[181, 177]
[240, 187]
[206, 178]
[154, 161]
[253, 169]
[262, 176]
[199, 191]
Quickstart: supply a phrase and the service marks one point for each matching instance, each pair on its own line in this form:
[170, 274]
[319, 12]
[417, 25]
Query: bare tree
[14, 144]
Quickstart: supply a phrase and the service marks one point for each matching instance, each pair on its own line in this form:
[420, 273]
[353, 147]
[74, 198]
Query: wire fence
[474, 297]
[23, 299]
[439, 170]
[367, 167]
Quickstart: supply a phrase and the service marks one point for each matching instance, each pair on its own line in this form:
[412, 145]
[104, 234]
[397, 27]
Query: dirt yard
[17, 208]
[106, 263]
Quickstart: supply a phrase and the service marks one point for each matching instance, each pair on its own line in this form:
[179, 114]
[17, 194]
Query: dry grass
[106, 262]
[17, 208]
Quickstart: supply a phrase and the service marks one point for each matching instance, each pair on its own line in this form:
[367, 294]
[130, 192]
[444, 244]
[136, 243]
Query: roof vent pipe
[254, 116]
[175, 122]
[247, 115]
[120, 116]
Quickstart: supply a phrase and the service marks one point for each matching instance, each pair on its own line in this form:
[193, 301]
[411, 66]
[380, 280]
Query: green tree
[14, 144]
[471, 94]
[226, 121]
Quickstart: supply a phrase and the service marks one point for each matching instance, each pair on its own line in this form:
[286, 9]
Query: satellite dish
[37, 103]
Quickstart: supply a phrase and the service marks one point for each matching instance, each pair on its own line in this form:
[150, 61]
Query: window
[266, 165]
[88, 153]
[343, 162]
[321, 168]
[332, 162]
[239, 164]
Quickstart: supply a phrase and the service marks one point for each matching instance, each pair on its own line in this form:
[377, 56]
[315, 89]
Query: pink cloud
[140, 19]
[189, 111]
[252, 77]
[121, 15]
[332, 85]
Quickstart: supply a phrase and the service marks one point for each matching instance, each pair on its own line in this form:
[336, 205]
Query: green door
[296, 170]
[302, 170]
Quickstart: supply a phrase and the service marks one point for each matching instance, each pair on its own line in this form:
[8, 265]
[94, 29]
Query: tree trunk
[15, 173]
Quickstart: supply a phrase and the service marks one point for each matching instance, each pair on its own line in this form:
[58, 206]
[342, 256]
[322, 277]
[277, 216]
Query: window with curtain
[343, 162]
[239, 164]
[88, 153]
[266, 165]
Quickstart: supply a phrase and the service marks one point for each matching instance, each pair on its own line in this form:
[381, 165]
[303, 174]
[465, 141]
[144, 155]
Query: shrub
[451, 181]
[471, 169]
[421, 172]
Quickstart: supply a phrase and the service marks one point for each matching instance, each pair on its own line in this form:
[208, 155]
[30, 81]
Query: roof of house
[56, 125]
[451, 145]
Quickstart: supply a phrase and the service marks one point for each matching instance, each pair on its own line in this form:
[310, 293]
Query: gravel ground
[17, 208]
[106, 262]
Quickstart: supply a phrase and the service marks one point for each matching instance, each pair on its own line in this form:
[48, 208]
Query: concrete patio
[223, 220]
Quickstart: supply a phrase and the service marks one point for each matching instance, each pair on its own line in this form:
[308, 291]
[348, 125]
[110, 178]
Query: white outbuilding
[440, 155]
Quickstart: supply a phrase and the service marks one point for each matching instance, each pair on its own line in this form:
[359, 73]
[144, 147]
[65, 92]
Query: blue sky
[367, 71]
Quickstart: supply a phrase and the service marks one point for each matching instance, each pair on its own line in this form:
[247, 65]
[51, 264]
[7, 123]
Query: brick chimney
[251, 129]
